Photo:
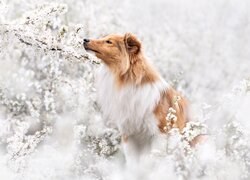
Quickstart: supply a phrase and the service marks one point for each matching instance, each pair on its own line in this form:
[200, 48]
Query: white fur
[130, 108]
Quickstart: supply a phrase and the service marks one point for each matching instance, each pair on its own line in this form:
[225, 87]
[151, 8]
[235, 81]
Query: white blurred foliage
[50, 123]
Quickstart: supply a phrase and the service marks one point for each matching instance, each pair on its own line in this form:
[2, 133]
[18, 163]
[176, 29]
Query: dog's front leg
[131, 151]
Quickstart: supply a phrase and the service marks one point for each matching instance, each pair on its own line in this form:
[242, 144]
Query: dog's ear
[132, 44]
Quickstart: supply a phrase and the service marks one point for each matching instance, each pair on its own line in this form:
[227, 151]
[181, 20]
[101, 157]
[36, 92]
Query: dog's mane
[140, 72]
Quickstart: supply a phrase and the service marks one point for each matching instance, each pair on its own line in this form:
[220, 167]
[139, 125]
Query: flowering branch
[36, 30]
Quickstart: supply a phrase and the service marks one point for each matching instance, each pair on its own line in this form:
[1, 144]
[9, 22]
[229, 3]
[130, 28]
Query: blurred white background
[50, 124]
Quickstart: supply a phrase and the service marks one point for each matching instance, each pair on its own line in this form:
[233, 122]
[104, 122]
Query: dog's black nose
[85, 40]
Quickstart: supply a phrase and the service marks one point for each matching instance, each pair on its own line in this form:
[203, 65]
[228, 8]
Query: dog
[133, 95]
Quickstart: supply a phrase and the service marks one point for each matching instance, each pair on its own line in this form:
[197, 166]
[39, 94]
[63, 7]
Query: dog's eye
[109, 42]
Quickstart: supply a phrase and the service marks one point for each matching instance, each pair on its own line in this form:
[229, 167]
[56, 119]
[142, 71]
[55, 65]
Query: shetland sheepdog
[133, 95]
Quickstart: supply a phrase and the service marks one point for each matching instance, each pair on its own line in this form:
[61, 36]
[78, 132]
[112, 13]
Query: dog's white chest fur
[130, 108]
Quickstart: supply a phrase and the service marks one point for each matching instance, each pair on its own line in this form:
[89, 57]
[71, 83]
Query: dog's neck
[139, 72]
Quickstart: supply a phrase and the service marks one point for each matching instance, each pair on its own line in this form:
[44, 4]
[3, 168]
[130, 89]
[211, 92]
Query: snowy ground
[50, 124]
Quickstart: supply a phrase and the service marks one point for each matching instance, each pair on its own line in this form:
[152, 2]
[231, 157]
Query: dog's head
[116, 51]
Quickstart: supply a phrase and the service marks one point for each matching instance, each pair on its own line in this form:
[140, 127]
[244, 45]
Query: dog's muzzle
[85, 43]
